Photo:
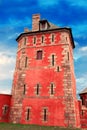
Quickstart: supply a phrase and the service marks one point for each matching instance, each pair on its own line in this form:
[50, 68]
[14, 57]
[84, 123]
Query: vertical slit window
[42, 40]
[52, 37]
[24, 89]
[52, 88]
[68, 55]
[39, 55]
[58, 68]
[28, 114]
[45, 114]
[26, 61]
[52, 60]
[34, 40]
[37, 89]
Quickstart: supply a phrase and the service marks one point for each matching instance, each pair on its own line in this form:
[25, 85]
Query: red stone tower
[44, 89]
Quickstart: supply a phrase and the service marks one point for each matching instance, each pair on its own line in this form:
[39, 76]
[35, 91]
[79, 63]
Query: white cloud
[83, 49]
[79, 51]
[81, 82]
[5, 91]
[7, 63]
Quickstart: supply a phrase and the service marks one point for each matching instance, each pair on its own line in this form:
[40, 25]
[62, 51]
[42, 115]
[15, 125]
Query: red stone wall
[83, 110]
[61, 107]
[4, 107]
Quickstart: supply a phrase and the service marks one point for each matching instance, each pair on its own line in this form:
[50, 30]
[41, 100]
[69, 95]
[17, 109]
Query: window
[58, 68]
[52, 60]
[43, 25]
[68, 56]
[52, 88]
[82, 100]
[34, 40]
[26, 61]
[37, 89]
[25, 40]
[5, 109]
[24, 89]
[28, 114]
[42, 40]
[45, 114]
[82, 112]
[39, 55]
[52, 37]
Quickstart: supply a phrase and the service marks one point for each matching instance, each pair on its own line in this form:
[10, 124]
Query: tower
[44, 89]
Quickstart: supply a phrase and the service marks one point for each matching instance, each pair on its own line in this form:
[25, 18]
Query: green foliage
[8, 126]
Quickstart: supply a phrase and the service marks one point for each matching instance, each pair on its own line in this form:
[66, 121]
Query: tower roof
[50, 27]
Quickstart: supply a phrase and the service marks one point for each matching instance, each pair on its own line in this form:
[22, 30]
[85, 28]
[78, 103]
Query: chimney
[35, 22]
[26, 30]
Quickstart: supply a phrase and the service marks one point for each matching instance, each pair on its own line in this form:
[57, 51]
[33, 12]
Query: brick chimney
[35, 22]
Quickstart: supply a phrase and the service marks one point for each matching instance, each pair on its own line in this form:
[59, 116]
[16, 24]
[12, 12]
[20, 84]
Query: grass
[8, 126]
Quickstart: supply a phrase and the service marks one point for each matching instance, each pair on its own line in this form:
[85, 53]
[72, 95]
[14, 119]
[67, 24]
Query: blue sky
[15, 15]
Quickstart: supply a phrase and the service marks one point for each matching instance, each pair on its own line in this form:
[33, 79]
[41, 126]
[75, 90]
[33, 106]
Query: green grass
[7, 126]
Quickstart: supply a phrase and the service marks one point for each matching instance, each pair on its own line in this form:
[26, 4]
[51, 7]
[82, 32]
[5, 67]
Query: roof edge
[39, 31]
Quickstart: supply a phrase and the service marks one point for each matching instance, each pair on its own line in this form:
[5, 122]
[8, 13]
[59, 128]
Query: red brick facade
[83, 109]
[4, 107]
[44, 87]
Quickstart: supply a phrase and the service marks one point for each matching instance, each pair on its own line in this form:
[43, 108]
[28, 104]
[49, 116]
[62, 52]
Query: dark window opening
[86, 103]
[24, 89]
[26, 61]
[42, 39]
[34, 40]
[68, 55]
[43, 25]
[45, 114]
[82, 112]
[66, 38]
[52, 88]
[5, 110]
[82, 100]
[28, 114]
[25, 40]
[58, 68]
[37, 89]
[39, 55]
[52, 60]
[52, 37]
